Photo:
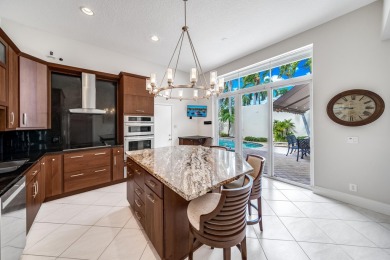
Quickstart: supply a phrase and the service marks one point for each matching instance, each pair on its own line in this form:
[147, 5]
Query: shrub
[222, 134]
[255, 139]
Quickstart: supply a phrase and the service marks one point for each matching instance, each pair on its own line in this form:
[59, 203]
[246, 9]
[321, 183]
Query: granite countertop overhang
[191, 171]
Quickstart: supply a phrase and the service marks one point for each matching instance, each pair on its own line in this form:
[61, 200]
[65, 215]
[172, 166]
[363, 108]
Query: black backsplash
[67, 130]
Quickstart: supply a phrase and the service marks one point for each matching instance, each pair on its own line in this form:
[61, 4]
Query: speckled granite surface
[191, 171]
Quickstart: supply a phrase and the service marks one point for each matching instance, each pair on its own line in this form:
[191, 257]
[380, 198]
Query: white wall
[348, 54]
[78, 54]
[386, 20]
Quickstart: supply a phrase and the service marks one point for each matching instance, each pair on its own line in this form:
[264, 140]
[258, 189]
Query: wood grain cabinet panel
[130, 182]
[3, 73]
[33, 94]
[117, 163]
[77, 161]
[135, 86]
[86, 178]
[138, 105]
[35, 193]
[13, 90]
[53, 175]
[154, 219]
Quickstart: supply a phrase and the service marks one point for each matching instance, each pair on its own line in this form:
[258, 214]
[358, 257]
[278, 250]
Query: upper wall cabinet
[3, 73]
[136, 100]
[33, 95]
[13, 90]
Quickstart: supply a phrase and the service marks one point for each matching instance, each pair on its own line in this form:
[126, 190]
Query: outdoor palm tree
[288, 70]
[226, 114]
[282, 128]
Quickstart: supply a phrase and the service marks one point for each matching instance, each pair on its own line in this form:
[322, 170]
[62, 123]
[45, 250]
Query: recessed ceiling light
[154, 38]
[87, 11]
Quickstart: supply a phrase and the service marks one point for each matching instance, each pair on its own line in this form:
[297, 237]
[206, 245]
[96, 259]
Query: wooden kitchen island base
[162, 182]
[163, 219]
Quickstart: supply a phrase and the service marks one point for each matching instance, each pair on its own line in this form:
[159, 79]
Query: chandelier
[197, 83]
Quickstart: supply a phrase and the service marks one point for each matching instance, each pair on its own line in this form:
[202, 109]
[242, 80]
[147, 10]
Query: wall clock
[355, 107]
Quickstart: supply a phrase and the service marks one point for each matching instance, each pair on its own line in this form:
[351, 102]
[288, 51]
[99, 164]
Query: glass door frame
[238, 123]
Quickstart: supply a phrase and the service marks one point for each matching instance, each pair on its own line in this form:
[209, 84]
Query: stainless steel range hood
[88, 82]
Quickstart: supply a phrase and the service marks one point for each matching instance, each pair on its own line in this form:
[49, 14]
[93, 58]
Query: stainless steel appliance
[13, 221]
[138, 133]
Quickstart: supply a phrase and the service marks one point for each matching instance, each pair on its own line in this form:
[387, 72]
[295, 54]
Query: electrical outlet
[352, 187]
[352, 140]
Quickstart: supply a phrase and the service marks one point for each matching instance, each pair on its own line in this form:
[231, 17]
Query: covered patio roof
[296, 101]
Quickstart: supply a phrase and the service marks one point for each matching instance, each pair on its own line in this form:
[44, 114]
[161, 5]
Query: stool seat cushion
[235, 184]
[202, 206]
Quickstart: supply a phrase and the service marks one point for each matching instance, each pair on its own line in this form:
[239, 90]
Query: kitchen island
[163, 181]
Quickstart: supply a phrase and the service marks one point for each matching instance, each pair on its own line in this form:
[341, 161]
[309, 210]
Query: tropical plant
[280, 91]
[283, 128]
[265, 76]
[255, 139]
[226, 112]
[222, 134]
[308, 64]
[288, 70]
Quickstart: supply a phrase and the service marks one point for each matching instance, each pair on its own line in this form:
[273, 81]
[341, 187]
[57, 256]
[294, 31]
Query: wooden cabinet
[117, 163]
[35, 193]
[33, 84]
[3, 72]
[86, 169]
[136, 100]
[145, 195]
[13, 90]
[195, 140]
[154, 219]
[53, 175]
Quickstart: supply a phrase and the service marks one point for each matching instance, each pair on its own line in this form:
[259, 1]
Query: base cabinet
[154, 219]
[35, 191]
[53, 175]
[117, 164]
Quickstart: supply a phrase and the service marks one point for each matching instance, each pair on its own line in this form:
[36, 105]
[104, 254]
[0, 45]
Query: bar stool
[219, 219]
[257, 162]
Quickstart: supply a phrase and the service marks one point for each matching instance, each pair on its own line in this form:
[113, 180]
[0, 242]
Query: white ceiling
[222, 30]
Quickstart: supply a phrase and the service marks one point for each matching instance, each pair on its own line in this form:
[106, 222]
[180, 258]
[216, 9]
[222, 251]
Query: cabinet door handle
[137, 202]
[24, 119]
[76, 175]
[100, 153]
[138, 192]
[150, 198]
[152, 183]
[34, 190]
[13, 118]
[76, 156]
[142, 111]
[34, 173]
[137, 215]
[100, 170]
[114, 160]
[137, 172]
[37, 187]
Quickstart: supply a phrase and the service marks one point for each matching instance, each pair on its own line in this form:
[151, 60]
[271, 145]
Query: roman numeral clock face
[355, 107]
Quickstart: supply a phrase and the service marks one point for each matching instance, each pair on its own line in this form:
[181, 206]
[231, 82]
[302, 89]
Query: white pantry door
[162, 126]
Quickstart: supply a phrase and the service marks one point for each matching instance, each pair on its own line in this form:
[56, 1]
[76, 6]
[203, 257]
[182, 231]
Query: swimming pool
[231, 145]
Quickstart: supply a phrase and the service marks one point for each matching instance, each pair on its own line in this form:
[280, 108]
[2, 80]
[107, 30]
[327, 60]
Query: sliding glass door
[226, 126]
[255, 127]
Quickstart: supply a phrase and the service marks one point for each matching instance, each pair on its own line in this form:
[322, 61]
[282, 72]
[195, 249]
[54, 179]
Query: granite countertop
[194, 137]
[191, 171]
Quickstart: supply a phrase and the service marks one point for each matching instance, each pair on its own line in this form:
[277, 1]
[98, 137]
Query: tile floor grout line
[109, 244]
[60, 225]
[143, 252]
[75, 240]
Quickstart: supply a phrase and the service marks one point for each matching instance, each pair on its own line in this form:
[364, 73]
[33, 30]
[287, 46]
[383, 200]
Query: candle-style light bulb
[170, 75]
[153, 79]
[213, 78]
[221, 83]
[194, 76]
[148, 85]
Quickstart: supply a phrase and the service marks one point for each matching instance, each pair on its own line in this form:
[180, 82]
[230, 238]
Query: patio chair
[303, 147]
[292, 143]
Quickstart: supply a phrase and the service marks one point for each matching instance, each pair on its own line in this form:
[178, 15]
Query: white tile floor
[297, 225]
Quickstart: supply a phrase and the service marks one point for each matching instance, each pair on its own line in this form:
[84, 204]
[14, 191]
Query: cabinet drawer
[86, 178]
[139, 174]
[155, 185]
[139, 216]
[87, 159]
[139, 192]
[139, 204]
[33, 171]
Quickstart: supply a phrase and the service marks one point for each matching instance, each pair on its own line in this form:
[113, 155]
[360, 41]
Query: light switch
[352, 140]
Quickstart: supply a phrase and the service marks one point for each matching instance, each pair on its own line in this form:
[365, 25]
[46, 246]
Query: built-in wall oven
[138, 133]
